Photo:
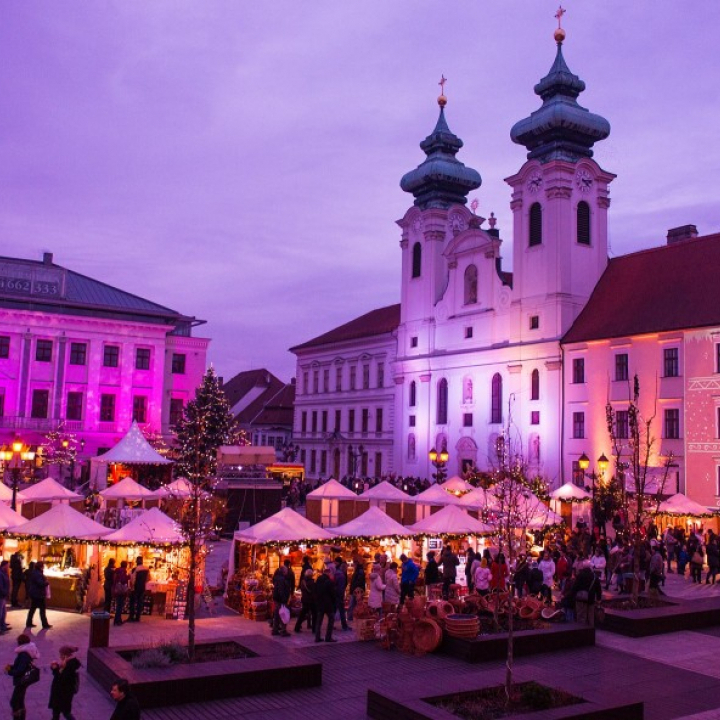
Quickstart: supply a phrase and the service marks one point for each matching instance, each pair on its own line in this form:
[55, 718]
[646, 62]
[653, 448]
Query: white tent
[49, 490]
[680, 505]
[133, 449]
[373, 523]
[435, 495]
[451, 520]
[61, 521]
[332, 490]
[6, 494]
[385, 492]
[571, 493]
[285, 526]
[543, 519]
[128, 489]
[153, 526]
[456, 485]
[180, 488]
[10, 518]
[479, 499]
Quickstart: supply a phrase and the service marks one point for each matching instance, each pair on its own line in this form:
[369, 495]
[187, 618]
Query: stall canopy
[456, 485]
[543, 519]
[133, 449]
[332, 490]
[9, 518]
[385, 492]
[435, 495]
[49, 490]
[6, 494]
[180, 488]
[681, 505]
[571, 493]
[451, 520]
[128, 489]
[152, 527]
[479, 499]
[373, 523]
[246, 455]
[285, 526]
[61, 522]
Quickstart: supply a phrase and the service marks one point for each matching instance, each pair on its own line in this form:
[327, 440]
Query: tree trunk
[191, 598]
[510, 657]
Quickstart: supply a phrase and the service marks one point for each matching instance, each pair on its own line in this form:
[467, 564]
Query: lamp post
[439, 460]
[14, 457]
[602, 463]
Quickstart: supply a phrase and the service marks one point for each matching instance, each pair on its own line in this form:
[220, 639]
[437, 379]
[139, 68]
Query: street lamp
[439, 460]
[14, 457]
[584, 464]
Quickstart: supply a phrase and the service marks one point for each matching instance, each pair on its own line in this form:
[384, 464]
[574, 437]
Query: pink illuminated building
[77, 352]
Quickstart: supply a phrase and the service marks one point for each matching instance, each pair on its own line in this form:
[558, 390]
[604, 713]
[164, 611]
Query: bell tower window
[416, 260]
[583, 223]
[535, 225]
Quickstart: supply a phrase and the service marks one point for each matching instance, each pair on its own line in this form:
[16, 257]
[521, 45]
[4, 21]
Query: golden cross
[560, 12]
[442, 82]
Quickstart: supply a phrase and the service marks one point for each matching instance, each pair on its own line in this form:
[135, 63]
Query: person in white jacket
[375, 599]
[547, 568]
[598, 562]
[481, 578]
[392, 584]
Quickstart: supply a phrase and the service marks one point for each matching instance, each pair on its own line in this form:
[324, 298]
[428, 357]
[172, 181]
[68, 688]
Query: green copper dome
[560, 129]
[441, 179]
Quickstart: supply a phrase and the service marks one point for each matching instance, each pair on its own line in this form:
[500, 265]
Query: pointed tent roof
[569, 493]
[682, 506]
[128, 489]
[285, 526]
[332, 490]
[373, 523]
[543, 519]
[6, 494]
[133, 449]
[435, 495]
[385, 491]
[61, 521]
[9, 518]
[153, 526]
[451, 520]
[456, 484]
[48, 490]
[179, 488]
[479, 499]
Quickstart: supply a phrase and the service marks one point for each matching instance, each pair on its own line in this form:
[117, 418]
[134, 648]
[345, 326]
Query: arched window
[535, 385]
[411, 447]
[470, 284]
[583, 223]
[496, 399]
[416, 260]
[535, 224]
[413, 394]
[442, 402]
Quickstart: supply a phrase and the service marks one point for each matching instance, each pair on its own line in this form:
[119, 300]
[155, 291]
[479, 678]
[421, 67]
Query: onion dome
[441, 179]
[560, 129]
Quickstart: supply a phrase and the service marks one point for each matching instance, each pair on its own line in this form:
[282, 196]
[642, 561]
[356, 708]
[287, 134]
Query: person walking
[37, 586]
[449, 561]
[281, 597]
[307, 595]
[4, 595]
[120, 591]
[65, 684]
[17, 576]
[393, 592]
[340, 587]
[138, 581]
[358, 582]
[325, 599]
[108, 580]
[25, 653]
[127, 707]
[432, 572]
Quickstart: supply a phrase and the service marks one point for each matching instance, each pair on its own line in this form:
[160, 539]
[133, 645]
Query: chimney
[678, 234]
[47, 258]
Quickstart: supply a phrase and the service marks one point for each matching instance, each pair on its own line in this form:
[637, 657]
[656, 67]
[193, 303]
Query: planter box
[562, 636]
[274, 667]
[681, 615]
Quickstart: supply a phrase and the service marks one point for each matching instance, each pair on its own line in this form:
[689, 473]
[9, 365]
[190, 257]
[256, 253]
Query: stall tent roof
[61, 521]
[680, 504]
[332, 490]
[451, 520]
[246, 455]
[285, 526]
[385, 491]
[153, 526]
[435, 495]
[48, 490]
[133, 449]
[569, 492]
[9, 518]
[6, 494]
[179, 488]
[479, 499]
[456, 484]
[373, 523]
[128, 489]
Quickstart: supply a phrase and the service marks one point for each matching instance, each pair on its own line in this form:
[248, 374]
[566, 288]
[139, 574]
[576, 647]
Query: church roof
[672, 287]
[376, 322]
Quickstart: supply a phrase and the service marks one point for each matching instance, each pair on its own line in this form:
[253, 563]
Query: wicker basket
[427, 635]
[462, 626]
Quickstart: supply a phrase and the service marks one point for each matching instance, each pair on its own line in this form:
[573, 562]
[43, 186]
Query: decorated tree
[60, 449]
[207, 423]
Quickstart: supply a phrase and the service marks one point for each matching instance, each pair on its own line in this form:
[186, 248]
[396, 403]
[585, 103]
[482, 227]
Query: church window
[468, 333]
[534, 322]
[583, 223]
[413, 394]
[496, 399]
[535, 385]
[442, 402]
[470, 285]
[535, 224]
[416, 260]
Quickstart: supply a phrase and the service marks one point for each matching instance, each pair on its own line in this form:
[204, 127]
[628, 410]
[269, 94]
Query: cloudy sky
[239, 161]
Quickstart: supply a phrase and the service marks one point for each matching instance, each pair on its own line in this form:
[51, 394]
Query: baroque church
[486, 363]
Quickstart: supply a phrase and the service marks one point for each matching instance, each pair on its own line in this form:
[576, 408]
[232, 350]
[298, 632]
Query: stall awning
[479, 499]
[332, 490]
[680, 505]
[385, 491]
[48, 490]
[133, 449]
[246, 455]
[451, 520]
[373, 523]
[435, 495]
[10, 518]
[61, 522]
[571, 493]
[285, 526]
[456, 485]
[152, 527]
[128, 489]
[180, 488]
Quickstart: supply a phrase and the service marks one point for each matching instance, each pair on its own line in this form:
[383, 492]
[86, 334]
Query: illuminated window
[178, 364]
[73, 411]
[142, 359]
[43, 351]
[583, 223]
[78, 353]
[416, 260]
[535, 225]
[496, 399]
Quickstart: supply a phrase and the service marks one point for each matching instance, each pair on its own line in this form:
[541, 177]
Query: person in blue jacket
[408, 575]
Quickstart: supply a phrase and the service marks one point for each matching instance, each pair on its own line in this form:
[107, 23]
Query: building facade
[77, 353]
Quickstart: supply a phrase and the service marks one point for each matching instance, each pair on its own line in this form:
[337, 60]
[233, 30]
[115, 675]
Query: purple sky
[239, 161]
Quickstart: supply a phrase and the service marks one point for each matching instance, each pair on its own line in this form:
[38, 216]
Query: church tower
[560, 200]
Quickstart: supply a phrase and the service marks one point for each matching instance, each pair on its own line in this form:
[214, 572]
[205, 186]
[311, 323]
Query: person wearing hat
[65, 684]
[325, 599]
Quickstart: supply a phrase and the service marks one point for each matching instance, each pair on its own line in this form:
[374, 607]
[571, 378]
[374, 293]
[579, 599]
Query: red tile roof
[273, 407]
[666, 288]
[376, 322]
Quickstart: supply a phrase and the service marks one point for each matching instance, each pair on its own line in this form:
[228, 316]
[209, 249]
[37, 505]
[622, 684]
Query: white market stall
[6, 496]
[38, 498]
[457, 486]
[122, 495]
[10, 518]
[681, 507]
[432, 500]
[179, 488]
[572, 503]
[388, 498]
[330, 504]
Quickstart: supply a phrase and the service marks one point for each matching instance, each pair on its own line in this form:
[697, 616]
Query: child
[65, 683]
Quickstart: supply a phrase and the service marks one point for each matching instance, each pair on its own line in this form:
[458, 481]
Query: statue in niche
[467, 390]
[411, 447]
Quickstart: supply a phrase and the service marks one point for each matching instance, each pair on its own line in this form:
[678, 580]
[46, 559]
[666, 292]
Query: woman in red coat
[498, 574]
